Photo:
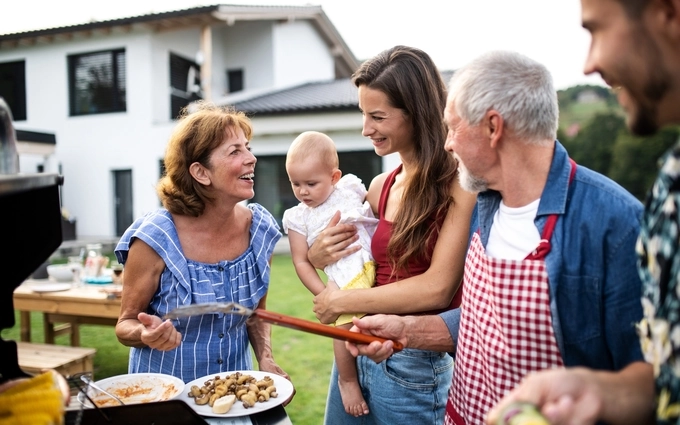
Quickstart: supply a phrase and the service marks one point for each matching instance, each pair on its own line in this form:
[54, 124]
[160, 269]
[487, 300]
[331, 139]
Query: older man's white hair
[518, 87]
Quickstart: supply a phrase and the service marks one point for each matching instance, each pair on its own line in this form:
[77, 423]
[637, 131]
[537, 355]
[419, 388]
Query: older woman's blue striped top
[211, 343]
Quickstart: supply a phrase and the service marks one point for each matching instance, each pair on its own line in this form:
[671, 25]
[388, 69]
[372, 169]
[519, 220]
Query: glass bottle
[93, 261]
[76, 265]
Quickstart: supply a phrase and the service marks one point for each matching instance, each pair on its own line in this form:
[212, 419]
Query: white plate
[135, 388]
[51, 287]
[283, 387]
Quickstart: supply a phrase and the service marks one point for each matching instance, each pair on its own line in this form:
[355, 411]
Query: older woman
[203, 246]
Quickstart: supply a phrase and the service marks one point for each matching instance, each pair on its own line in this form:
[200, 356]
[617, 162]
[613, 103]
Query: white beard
[469, 182]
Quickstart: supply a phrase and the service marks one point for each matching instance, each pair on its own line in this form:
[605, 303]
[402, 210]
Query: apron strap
[544, 246]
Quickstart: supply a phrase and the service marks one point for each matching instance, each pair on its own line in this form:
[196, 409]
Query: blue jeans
[411, 387]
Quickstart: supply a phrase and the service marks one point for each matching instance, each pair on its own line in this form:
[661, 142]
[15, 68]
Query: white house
[108, 92]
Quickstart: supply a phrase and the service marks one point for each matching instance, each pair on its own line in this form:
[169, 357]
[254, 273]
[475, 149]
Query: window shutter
[185, 83]
[97, 82]
[13, 88]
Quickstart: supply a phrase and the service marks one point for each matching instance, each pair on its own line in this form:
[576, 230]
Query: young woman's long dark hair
[412, 83]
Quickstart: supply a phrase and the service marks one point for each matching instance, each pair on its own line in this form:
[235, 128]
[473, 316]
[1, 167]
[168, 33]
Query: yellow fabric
[364, 280]
[35, 401]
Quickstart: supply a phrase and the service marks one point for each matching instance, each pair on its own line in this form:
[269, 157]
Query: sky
[452, 32]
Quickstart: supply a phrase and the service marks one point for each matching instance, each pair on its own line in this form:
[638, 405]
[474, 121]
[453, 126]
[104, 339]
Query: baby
[312, 166]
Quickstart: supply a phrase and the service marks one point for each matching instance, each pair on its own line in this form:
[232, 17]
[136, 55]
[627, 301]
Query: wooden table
[85, 304]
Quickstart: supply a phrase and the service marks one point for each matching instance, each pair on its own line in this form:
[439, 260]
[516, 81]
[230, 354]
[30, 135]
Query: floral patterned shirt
[658, 251]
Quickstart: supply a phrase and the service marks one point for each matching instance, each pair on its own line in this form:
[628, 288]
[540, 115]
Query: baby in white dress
[313, 169]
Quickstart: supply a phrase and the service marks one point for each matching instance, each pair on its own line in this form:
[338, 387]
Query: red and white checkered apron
[505, 328]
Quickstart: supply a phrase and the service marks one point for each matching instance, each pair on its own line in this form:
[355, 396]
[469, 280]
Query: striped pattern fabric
[505, 332]
[211, 343]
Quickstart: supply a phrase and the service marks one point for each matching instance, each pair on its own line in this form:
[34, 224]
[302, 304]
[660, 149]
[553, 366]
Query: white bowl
[134, 388]
[60, 272]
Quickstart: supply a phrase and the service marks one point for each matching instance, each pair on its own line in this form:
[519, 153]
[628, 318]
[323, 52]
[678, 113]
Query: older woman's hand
[159, 334]
[323, 304]
[333, 243]
[269, 365]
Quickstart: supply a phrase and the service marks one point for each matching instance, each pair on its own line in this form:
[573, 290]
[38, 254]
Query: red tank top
[381, 237]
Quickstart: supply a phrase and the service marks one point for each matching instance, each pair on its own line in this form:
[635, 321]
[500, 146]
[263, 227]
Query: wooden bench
[61, 324]
[33, 358]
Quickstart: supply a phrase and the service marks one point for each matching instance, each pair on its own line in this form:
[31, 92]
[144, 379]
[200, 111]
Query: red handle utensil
[279, 319]
[320, 329]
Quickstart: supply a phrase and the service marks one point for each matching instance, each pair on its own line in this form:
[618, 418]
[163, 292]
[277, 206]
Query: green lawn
[305, 357]
[581, 113]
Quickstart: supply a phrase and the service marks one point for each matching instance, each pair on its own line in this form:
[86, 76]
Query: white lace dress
[356, 270]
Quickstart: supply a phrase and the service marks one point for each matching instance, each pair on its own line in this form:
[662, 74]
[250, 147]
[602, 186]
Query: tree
[592, 147]
[635, 160]
[571, 94]
[604, 143]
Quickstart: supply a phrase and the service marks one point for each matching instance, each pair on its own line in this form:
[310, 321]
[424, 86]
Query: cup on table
[76, 265]
[117, 274]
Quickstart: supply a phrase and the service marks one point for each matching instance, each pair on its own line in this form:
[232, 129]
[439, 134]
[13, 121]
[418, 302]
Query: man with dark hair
[635, 47]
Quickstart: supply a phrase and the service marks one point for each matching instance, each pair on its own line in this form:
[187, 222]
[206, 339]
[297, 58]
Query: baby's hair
[315, 146]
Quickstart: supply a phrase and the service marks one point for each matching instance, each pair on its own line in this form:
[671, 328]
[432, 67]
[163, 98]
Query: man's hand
[556, 393]
[391, 327]
[333, 243]
[581, 396]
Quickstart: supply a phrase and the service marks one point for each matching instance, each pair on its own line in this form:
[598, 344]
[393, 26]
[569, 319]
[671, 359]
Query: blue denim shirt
[594, 283]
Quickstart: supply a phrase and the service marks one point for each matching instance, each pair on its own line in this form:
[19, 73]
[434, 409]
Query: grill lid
[30, 221]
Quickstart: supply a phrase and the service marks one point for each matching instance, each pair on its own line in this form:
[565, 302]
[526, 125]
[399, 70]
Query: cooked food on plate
[221, 393]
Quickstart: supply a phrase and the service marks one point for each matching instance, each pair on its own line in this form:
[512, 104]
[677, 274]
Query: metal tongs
[86, 379]
[278, 319]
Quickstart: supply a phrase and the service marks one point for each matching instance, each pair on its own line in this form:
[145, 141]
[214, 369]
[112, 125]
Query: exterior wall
[272, 55]
[91, 147]
[300, 55]
[29, 163]
[185, 43]
[273, 135]
[247, 46]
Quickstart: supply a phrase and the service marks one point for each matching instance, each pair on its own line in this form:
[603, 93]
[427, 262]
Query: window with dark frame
[97, 82]
[234, 80]
[13, 88]
[185, 83]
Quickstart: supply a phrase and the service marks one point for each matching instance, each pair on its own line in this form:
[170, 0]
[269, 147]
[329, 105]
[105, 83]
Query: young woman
[420, 242]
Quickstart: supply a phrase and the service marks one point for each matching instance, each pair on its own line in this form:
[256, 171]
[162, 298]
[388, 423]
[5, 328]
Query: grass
[307, 358]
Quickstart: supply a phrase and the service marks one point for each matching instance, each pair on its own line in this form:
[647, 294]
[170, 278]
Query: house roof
[345, 60]
[36, 137]
[325, 96]
[35, 143]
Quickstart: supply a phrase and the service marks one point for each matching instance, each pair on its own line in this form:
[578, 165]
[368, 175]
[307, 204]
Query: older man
[635, 47]
[550, 277]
